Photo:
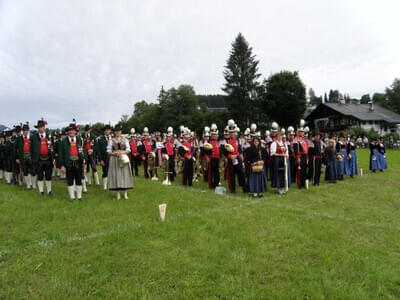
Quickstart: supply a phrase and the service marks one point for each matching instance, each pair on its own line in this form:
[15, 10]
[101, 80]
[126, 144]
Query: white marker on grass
[162, 208]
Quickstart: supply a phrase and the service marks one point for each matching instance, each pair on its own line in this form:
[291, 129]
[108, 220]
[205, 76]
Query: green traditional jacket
[9, 152]
[101, 149]
[64, 154]
[35, 147]
[2, 149]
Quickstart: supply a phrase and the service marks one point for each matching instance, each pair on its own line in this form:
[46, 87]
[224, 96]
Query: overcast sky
[93, 59]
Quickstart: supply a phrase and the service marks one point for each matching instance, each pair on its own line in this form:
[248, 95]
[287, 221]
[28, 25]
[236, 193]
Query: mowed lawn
[333, 241]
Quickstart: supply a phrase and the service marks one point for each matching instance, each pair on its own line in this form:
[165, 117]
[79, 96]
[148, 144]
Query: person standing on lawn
[42, 154]
[72, 158]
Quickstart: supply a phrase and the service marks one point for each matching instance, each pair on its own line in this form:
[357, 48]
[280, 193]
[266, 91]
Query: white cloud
[91, 60]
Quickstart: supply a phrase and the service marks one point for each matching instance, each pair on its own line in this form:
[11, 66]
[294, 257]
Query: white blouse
[123, 141]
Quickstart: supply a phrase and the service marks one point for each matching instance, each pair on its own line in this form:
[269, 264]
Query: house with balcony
[334, 117]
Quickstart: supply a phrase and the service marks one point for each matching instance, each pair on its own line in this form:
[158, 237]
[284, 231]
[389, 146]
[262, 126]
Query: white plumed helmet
[253, 127]
[132, 130]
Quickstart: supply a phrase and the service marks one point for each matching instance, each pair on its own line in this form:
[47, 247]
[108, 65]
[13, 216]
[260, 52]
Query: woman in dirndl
[374, 163]
[256, 157]
[119, 173]
[382, 154]
[352, 156]
[279, 152]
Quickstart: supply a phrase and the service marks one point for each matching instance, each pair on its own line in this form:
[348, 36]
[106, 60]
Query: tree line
[248, 98]
[281, 97]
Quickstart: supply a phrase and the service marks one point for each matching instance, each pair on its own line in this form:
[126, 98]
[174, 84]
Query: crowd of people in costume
[32, 158]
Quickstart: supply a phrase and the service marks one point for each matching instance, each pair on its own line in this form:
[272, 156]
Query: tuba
[151, 159]
[165, 159]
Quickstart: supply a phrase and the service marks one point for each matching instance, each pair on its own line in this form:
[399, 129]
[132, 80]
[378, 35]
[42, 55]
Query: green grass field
[334, 241]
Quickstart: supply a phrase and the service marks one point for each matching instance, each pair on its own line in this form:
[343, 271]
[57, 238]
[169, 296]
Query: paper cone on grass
[307, 184]
[361, 172]
[162, 209]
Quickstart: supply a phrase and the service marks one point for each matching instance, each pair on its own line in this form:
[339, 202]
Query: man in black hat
[24, 157]
[102, 154]
[72, 158]
[90, 144]
[42, 154]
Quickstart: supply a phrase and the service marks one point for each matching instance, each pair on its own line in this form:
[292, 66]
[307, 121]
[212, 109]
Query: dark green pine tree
[241, 86]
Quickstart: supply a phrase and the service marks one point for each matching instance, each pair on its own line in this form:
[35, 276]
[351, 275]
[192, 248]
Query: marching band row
[281, 156]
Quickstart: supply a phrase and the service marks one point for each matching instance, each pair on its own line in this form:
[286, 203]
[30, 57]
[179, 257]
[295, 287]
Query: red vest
[73, 150]
[44, 149]
[170, 148]
[189, 146]
[27, 145]
[88, 144]
[147, 146]
[215, 149]
[280, 149]
[133, 146]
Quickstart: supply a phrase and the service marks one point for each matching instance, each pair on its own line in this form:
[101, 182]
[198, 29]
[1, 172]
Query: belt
[44, 157]
[317, 156]
[74, 158]
[27, 155]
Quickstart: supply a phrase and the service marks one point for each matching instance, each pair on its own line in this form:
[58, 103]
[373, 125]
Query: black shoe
[50, 193]
[71, 200]
[80, 199]
[41, 194]
[260, 195]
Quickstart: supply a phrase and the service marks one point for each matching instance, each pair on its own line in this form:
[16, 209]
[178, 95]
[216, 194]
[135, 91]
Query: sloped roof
[363, 112]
